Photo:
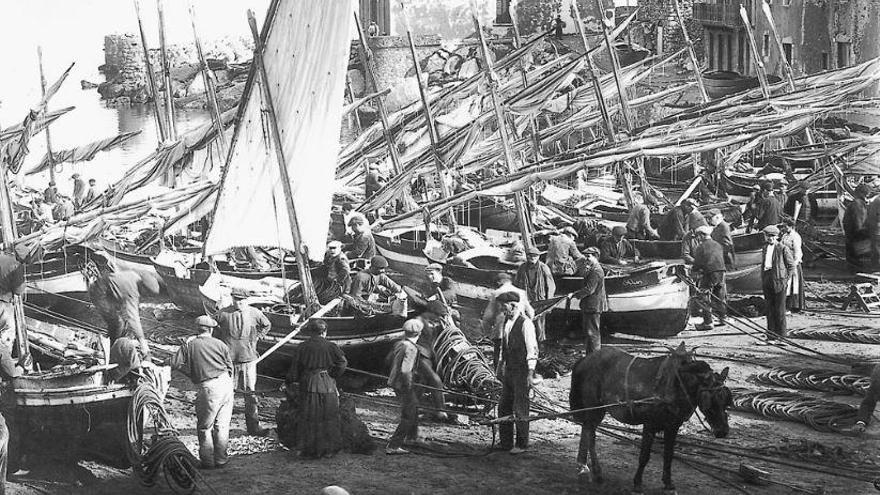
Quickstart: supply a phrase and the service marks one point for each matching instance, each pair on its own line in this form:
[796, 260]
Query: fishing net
[821, 415]
[813, 379]
[860, 336]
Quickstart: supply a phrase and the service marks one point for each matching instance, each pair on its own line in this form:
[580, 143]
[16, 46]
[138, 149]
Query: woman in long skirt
[316, 364]
[794, 300]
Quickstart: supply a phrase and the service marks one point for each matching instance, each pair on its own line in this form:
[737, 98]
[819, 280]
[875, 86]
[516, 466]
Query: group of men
[52, 206]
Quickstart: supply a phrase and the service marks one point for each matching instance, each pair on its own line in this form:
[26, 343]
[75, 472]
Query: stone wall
[654, 14]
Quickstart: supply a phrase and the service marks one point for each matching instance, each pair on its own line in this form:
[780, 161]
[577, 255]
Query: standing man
[694, 217]
[79, 190]
[709, 264]
[776, 269]
[50, 194]
[516, 369]
[855, 227]
[240, 326]
[373, 182]
[638, 224]
[615, 249]
[443, 289]
[873, 220]
[434, 320]
[92, 193]
[205, 360]
[493, 312]
[535, 278]
[558, 26]
[593, 301]
[768, 208]
[404, 362]
[362, 245]
[8, 369]
[116, 296]
[562, 252]
[721, 235]
[794, 294]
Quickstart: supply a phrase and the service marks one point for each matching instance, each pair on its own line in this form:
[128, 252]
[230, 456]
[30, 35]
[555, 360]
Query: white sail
[306, 59]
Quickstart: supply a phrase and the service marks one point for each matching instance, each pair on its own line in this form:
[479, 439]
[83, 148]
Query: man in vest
[776, 267]
[593, 302]
[516, 369]
[535, 278]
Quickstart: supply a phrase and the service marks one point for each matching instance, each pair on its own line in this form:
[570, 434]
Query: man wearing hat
[855, 226]
[205, 360]
[337, 274]
[493, 314]
[535, 278]
[443, 290]
[593, 301]
[776, 268]
[362, 245]
[638, 224]
[371, 283]
[789, 237]
[373, 181]
[92, 192]
[677, 221]
[50, 194]
[709, 265]
[401, 377]
[768, 208]
[562, 252]
[79, 190]
[694, 216]
[615, 249]
[518, 355]
[721, 235]
[348, 213]
[434, 319]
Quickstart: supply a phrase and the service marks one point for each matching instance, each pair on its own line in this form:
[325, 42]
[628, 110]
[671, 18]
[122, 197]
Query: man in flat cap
[709, 270]
[518, 355]
[535, 278]
[371, 284]
[638, 224]
[401, 377]
[616, 249]
[776, 267]
[721, 235]
[337, 274]
[593, 301]
[362, 245]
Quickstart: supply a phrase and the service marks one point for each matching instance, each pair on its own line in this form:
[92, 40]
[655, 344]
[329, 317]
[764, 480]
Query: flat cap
[533, 251]
[507, 297]
[206, 321]
[618, 230]
[379, 261]
[434, 267]
[714, 211]
[334, 244]
[771, 229]
[413, 328]
[704, 229]
[592, 250]
[569, 230]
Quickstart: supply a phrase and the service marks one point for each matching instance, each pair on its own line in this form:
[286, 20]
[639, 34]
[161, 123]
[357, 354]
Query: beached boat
[722, 83]
[57, 274]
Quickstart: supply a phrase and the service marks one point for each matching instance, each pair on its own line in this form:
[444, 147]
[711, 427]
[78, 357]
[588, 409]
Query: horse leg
[594, 459]
[587, 452]
[668, 451]
[644, 456]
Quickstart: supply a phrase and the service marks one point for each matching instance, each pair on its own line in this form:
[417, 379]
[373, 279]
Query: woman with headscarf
[316, 365]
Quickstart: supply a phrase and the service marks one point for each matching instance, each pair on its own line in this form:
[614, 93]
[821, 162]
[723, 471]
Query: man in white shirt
[776, 269]
[794, 295]
[493, 315]
[518, 348]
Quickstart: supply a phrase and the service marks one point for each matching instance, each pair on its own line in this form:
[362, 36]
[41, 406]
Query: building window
[766, 48]
[786, 47]
[843, 59]
[825, 61]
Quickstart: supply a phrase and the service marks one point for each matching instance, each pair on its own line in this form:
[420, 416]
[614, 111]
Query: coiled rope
[813, 379]
[821, 415]
[866, 336]
[461, 364]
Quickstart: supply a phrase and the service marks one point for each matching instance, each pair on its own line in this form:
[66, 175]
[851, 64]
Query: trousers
[715, 284]
[245, 378]
[427, 376]
[590, 323]
[775, 301]
[213, 413]
[408, 428]
[514, 400]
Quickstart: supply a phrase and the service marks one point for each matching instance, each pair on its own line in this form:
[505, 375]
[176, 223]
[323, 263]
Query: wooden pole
[517, 43]
[166, 73]
[594, 75]
[691, 53]
[210, 89]
[300, 250]
[369, 63]
[356, 115]
[48, 134]
[151, 78]
[615, 68]
[429, 114]
[756, 55]
[293, 333]
[492, 81]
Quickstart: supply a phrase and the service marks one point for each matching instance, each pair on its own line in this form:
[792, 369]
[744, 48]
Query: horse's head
[713, 399]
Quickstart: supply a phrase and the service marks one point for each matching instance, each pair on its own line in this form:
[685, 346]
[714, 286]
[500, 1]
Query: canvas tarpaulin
[81, 153]
[305, 58]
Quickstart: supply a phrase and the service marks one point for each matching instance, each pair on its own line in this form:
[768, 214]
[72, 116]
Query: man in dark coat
[79, 190]
[709, 264]
[593, 301]
[535, 278]
[769, 209]
[855, 225]
[672, 228]
[337, 278]
[435, 319]
[373, 181]
[50, 194]
[721, 235]
[362, 245]
[615, 249]
[401, 377]
[516, 369]
[370, 285]
[776, 268]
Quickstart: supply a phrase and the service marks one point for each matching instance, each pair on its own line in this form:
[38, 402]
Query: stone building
[816, 34]
[449, 19]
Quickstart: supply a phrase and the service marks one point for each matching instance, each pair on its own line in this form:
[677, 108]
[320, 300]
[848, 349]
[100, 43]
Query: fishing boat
[722, 83]
[57, 275]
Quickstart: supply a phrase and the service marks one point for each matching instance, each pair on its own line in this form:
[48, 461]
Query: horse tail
[576, 394]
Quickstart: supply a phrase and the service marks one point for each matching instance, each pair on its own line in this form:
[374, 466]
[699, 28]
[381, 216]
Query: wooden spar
[151, 78]
[357, 116]
[691, 53]
[48, 135]
[517, 43]
[297, 328]
[615, 68]
[300, 250]
[594, 75]
[491, 79]
[210, 89]
[366, 55]
[8, 231]
[429, 114]
[166, 73]
[759, 64]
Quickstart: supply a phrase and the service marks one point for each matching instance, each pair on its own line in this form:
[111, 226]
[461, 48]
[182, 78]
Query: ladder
[863, 296]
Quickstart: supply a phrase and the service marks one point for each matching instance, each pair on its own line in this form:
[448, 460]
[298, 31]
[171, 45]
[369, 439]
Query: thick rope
[812, 379]
[821, 415]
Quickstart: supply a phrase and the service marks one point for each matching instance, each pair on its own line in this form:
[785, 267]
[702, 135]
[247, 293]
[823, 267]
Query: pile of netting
[164, 453]
[811, 379]
[821, 415]
[858, 336]
[461, 364]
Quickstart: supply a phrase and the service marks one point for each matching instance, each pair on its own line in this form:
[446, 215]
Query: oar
[321, 312]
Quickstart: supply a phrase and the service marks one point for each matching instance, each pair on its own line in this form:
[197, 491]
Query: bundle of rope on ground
[863, 335]
[461, 364]
[821, 415]
[815, 379]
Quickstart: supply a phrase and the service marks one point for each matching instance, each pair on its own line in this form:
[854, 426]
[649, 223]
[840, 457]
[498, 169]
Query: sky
[73, 31]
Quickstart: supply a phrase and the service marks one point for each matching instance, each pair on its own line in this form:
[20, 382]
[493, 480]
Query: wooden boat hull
[745, 246]
[59, 272]
[488, 213]
[721, 83]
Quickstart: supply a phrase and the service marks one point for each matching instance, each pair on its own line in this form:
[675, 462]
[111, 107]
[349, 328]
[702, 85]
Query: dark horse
[660, 393]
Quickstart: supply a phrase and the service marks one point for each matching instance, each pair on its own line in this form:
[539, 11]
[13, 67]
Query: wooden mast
[151, 78]
[429, 114]
[300, 250]
[491, 79]
[691, 53]
[759, 64]
[210, 89]
[517, 43]
[615, 68]
[166, 73]
[48, 135]
[594, 75]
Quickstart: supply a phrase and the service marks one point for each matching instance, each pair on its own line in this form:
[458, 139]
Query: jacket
[855, 220]
[240, 330]
[721, 235]
[709, 257]
[594, 300]
[404, 357]
[536, 280]
[613, 252]
[562, 255]
[782, 264]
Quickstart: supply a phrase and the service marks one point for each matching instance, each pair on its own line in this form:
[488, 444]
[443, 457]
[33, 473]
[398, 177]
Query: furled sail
[305, 56]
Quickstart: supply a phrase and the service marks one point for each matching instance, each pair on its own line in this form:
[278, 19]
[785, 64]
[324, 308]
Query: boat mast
[691, 52]
[166, 73]
[517, 43]
[759, 64]
[151, 77]
[594, 75]
[429, 114]
[48, 135]
[492, 81]
[310, 298]
[615, 68]
[210, 89]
